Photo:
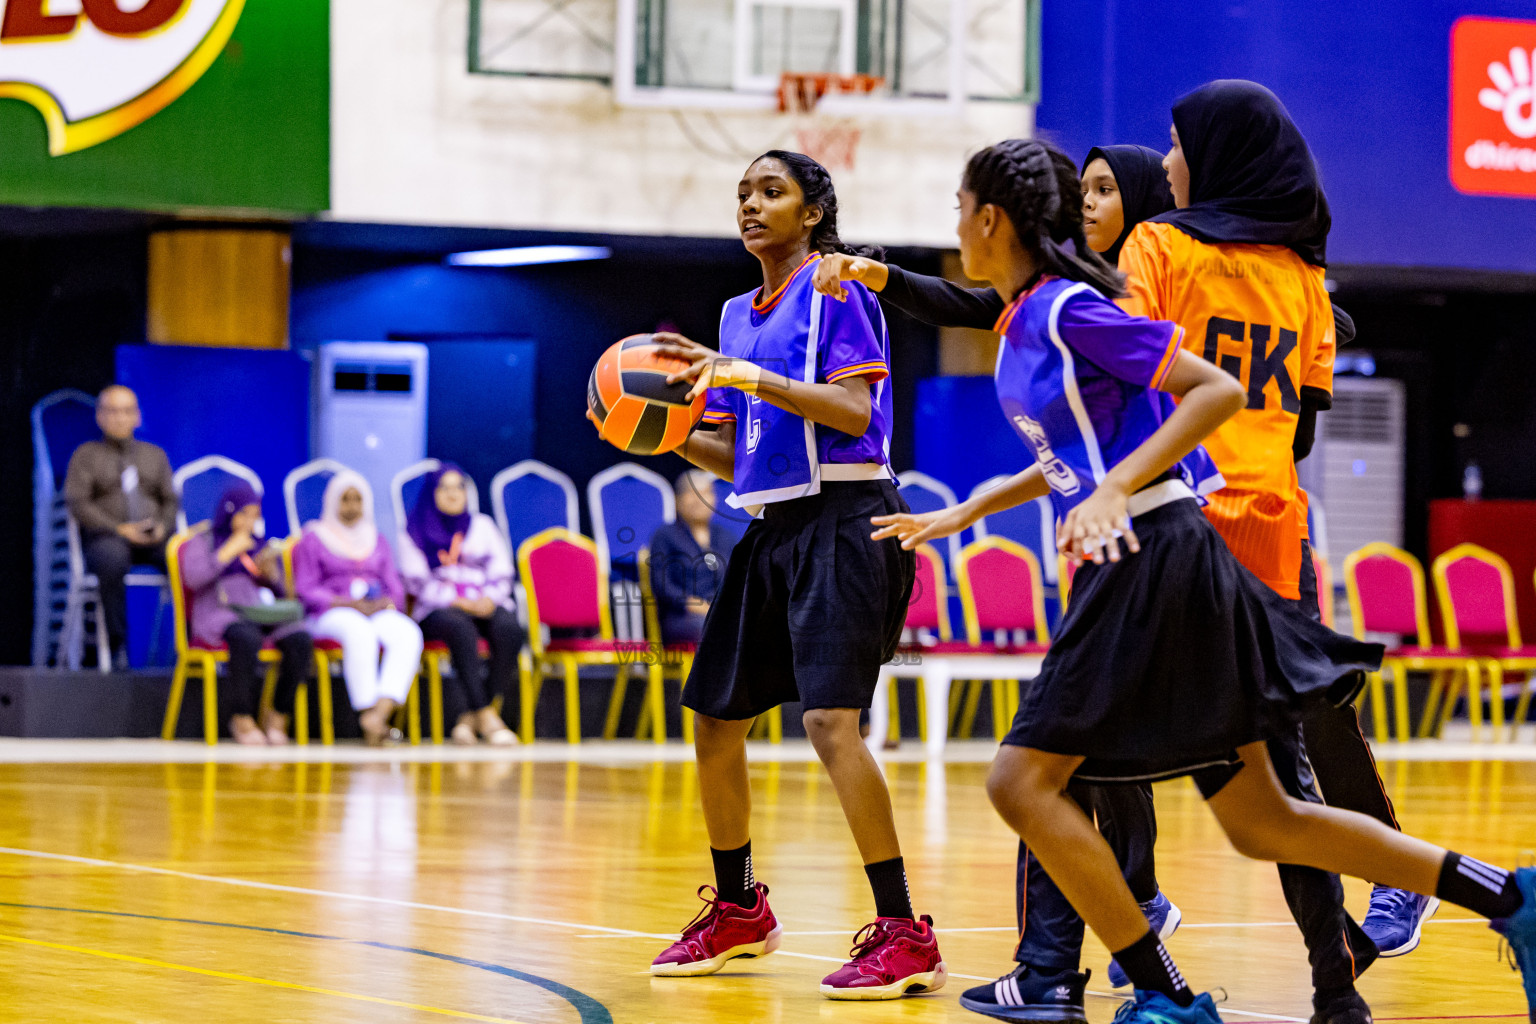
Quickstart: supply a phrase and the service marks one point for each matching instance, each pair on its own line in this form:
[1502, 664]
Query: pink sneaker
[891, 957]
[722, 931]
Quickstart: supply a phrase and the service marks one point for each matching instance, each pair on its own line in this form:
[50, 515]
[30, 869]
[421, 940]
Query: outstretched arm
[933, 300]
[1208, 398]
[914, 528]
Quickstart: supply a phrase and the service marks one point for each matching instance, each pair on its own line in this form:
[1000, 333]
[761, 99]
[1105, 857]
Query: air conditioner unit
[371, 413]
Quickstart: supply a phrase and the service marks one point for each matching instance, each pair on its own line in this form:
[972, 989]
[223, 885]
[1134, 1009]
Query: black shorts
[809, 609]
[1169, 660]
[1210, 781]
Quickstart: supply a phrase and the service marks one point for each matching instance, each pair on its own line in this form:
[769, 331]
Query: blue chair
[61, 422]
[1033, 525]
[628, 504]
[529, 497]
[201, 482]
[304, 492]
[923, 493]
[733, 520]
[406, 486]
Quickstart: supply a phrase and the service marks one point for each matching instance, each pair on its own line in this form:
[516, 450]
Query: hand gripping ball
[634, 407]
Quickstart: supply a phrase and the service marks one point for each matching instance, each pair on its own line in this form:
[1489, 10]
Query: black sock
[1151, 969]
[889, 880]
[733, 875]
[1481, 888]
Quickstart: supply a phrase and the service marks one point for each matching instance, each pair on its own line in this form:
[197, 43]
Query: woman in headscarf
[345, 575]
[458, 568]
[1122, 186]
[1240, 265]
[228, 567]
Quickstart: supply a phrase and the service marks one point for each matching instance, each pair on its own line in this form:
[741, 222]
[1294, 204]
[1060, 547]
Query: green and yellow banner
[166, 104]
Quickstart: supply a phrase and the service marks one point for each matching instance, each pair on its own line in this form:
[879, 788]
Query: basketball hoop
[831, 141]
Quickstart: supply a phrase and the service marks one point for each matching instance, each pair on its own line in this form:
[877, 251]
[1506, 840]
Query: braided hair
[1037, 186]
[816, 187]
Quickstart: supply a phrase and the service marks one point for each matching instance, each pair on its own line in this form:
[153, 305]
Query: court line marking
[592, 1011]
[251, 979]
[333, 894]
[408, 904]
[1187, 924]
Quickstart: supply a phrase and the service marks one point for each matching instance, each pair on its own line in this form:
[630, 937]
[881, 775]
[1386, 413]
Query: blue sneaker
[1031, 995]
[1519, 930]
[1156, 1008]
[1396, 919]
[1164, 918]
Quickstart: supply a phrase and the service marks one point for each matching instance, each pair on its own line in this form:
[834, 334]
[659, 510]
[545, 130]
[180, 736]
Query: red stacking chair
[1477, 599]
[433, 653]
[194, 657]
[927, 632]
[1387, 595]
[567, 589]
[1001, 593]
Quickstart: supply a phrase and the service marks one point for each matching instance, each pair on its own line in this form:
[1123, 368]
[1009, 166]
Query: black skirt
[1170, 659]
[809, 609]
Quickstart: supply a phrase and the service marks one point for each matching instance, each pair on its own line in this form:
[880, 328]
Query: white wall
[415, 138]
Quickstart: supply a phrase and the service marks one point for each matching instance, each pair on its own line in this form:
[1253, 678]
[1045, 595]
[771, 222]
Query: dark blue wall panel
[250, 406]
[1367, 82]
[480, 405]
[961, 435]
[570, 313]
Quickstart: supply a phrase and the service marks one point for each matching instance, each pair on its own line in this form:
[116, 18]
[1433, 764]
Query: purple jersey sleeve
[717, 405]
[1136, 350]
[852, 342]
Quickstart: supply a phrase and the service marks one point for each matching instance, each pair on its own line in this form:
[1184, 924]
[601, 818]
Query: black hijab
[1251, 176]
[1143, 186]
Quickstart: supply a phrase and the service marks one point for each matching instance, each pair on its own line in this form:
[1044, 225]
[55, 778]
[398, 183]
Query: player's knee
[826, 727]
[1264, 837]
[711, 735]
[1014, 792]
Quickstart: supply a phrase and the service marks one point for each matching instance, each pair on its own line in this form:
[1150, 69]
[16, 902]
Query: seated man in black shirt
[688, 560]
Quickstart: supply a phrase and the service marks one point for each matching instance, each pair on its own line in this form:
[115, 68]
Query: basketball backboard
[730, 54]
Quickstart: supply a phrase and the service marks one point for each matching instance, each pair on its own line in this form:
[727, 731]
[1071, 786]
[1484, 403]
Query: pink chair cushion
[1433, 651]
[589, 645]
[1494, 649]
[1477, 597]
[961, 647]
[438, 647]
[564, 579]
[1386, 596]
[222, 648]
[927, 592]
[1003, 590]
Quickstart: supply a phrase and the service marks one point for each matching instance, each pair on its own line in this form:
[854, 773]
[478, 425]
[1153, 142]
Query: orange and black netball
[634, 407]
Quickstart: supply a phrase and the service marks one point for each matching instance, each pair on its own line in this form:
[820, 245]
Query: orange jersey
[1261, 313]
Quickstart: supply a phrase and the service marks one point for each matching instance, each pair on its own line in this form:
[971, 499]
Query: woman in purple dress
[229, 566]
[458, 569]
[344, 573]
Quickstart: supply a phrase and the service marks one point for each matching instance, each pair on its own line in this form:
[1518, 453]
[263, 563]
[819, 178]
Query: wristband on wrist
[738, 373]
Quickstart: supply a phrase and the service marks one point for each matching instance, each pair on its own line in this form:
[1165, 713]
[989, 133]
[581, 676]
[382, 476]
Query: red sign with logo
[1493, 106]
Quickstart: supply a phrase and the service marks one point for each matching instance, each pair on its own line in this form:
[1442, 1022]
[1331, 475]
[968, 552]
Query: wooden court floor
[538, 892]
